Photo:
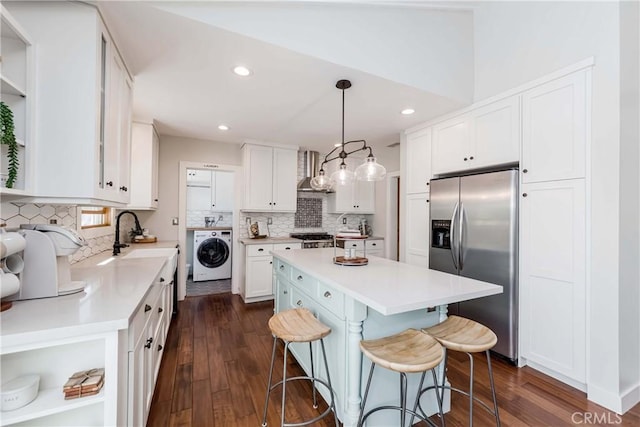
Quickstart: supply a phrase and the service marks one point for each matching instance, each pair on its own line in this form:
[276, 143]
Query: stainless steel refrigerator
[474, 233]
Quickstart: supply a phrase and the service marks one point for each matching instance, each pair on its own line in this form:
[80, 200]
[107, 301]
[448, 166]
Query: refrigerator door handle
[460, 247]
[454, 247]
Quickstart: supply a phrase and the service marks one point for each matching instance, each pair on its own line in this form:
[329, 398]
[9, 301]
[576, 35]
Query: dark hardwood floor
[216, 364]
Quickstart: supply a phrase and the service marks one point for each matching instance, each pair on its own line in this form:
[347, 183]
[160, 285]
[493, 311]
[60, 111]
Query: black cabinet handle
[465, 159]
[110, 183]
[260, 250]
[270, 262]
[159, 347]
[160, 310]
[524, 171]
[149, 342]
[427, 200]
[123, 188]
[161, 279]
[147, 307]
[524, 194]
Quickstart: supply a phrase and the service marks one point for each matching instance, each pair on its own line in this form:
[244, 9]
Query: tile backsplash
[222, 219]
[14, 214]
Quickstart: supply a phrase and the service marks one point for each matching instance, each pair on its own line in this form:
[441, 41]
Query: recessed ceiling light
[242, 71]
[407, 111]
[223, 127]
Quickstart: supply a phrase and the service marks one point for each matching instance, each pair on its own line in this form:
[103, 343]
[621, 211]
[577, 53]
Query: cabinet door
[418, 161]
[200, 177]
[417, 230]
[223, 190]
[496, 134]
[451, 144]
[137, 384]
[259, 281]
[283, 289]
[285, 180]
[198, 198]
[144, 176]
[552, 276]
[258, 171]
[364, 197]
[335, 348]
[124, 143]
[554, 129]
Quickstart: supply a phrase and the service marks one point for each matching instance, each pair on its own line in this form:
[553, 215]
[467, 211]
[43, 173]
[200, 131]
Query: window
[94, 217]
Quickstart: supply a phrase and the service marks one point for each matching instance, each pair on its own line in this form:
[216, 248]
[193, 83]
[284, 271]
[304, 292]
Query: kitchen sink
[170, 253]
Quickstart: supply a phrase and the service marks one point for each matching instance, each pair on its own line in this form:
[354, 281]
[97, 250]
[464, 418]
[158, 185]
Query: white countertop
[389, 287]
[115, 287]
[268, 240]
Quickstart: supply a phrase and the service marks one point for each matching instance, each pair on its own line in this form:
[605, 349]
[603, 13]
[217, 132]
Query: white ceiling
[183, 81]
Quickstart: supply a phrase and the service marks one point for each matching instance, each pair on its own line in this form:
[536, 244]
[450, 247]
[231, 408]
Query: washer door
[213, 252]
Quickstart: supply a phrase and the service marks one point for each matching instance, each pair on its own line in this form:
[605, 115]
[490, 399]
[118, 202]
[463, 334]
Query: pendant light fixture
[370, 170]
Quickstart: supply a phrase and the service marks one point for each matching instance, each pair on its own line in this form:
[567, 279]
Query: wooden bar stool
[410, 351]
[298, 325]
[465, 335]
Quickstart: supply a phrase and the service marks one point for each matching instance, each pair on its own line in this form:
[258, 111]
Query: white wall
[519, 41]
[629, 297]
[172, 150]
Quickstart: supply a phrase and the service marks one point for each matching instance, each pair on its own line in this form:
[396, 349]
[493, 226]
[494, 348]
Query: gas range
[314, 240]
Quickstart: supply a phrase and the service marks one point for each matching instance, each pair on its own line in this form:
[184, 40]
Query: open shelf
[49, 402]
[9, 87]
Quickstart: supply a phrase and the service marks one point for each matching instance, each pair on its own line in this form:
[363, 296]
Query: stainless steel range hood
[311, 168]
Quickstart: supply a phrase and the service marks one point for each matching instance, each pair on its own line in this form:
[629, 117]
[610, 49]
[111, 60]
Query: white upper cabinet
[16, 91]
[209, 190]
[486, 136]
[144, 173]
[222, 191]
[357, 197]
[418, 161]
[83, 109]
[554, 129]
[270, 178]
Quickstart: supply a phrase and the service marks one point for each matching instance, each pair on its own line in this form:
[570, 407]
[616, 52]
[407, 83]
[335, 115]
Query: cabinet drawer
[259, 250]
[282, 268]
[300, 299]
[331, 299]
[286, 246]
[147, 310]
[372, 245]
[352, 244]
[303, 280]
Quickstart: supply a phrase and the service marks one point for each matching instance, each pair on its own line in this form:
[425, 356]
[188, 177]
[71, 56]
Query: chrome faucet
[116, 244]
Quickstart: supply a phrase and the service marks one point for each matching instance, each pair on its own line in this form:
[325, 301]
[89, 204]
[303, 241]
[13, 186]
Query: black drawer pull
[260, 250]
[149, 342]
[159, 347]
[147, 307]
[160, 310]
[161, 279]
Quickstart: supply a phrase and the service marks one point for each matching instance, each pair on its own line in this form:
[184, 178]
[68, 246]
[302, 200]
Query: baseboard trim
[631, 398]
[616, 402]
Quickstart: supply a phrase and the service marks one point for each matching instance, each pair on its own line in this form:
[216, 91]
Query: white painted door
[418, 161]
[364, 197]
[223, 190]
[258, 169]
[552, 276]
[451, 144]
[417, 230]
[198, 198]
[496, 134]
[285, 180]
[554, 129]
[259, 281]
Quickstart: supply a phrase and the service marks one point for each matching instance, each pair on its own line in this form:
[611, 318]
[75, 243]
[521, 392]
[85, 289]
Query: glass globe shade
[343, 176]
[321, 182]
[370, 170]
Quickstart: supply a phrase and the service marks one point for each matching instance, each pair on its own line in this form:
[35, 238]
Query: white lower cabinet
[258, 284]
[552, 277]
[417, 229]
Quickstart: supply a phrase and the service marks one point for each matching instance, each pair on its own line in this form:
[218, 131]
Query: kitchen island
[365, 302]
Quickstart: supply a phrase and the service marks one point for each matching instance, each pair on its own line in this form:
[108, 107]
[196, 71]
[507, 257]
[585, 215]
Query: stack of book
[84, 383]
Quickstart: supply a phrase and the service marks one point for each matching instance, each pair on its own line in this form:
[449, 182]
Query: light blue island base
[372, 301]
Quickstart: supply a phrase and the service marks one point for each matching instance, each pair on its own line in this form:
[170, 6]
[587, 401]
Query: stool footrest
[457, 390]
[422, 416]
[313, 380]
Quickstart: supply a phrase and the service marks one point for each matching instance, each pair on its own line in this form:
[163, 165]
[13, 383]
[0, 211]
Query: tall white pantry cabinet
[543, 126]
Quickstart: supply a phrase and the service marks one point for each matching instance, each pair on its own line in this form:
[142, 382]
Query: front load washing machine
[211, 255]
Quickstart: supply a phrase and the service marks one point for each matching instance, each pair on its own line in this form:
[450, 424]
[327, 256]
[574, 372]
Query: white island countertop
[387, 286]
[115, 286]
